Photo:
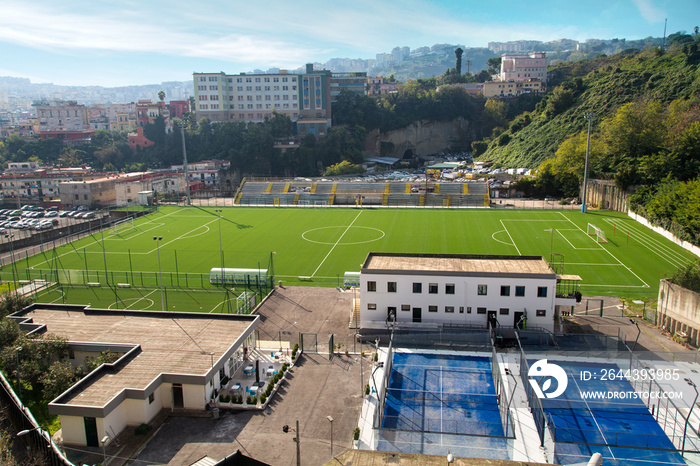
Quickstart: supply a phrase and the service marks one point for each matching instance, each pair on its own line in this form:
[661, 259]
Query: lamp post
[639, 332]
[286, 429]
[12, 256]
[331, 421]
[221, 251]
[272, 260]
[19, 382]
[590, 117]
[685, 429]
[158, 239]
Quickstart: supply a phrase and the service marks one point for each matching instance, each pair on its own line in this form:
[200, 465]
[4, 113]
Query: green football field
[317, 245]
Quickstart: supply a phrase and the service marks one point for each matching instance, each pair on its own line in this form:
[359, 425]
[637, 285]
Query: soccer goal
[320, 203]
[122, 225]
[304, 203]
[597, 232]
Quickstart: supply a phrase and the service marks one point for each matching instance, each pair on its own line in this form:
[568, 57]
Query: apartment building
[355, 82]
[127, 190]
[305, 98]
[62, 116]
[523, 66]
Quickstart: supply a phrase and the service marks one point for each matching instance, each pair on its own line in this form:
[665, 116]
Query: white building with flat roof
[166, 361]
[450, 289]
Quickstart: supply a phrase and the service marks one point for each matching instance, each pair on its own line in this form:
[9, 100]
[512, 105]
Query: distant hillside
[601, 86]
[436, 63]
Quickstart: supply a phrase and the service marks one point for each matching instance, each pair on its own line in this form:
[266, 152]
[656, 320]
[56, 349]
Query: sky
[133, 42]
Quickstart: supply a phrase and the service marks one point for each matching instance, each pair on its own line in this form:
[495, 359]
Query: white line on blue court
[337, 242]
[594, 419]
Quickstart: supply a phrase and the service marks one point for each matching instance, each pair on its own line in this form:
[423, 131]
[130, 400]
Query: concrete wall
[73, 430]
[604, 194]
[465, 296]
[678, 310]
[421, 137]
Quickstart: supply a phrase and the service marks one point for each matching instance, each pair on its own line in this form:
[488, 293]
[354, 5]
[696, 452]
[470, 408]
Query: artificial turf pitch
[320, 244]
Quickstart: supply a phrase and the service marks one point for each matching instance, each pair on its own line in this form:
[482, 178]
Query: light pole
[158, 239]
[685, 429]
[286, 429]
[551, 243]
[331, 421]
[221, 251]
[272, 260]
[12, 256]
[590, 117]
[19, 382]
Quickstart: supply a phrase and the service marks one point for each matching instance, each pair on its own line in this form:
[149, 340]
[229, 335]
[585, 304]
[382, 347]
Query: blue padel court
[434, 401]
[621, 429]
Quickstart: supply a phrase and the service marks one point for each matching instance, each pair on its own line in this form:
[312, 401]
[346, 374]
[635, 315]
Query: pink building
[520, 67]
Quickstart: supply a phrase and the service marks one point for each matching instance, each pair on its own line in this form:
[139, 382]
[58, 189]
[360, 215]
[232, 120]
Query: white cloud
[648, 11]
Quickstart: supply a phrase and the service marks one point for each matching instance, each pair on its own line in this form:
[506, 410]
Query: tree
[458, 63]
[57, 379]
[161, 95]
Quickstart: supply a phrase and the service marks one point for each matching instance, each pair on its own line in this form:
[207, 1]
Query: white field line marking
[493, 236]
[336, 243]
[657, 247]
[570, 244]
[141, 299]
[611, 254]
[594, 417]
[511, 238]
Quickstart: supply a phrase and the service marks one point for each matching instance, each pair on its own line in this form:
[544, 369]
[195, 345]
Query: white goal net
[597, 233]
[122, 225]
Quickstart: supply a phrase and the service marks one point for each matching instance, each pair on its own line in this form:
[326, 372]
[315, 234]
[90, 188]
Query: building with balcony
[127, 190]
[62, 116]
[378, 86]
[512, 88]
[415, 290]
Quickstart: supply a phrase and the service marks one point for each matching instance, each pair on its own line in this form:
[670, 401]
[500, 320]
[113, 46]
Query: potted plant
[356, 437]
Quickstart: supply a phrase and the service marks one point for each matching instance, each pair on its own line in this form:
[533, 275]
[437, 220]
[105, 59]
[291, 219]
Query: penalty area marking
[493, 236]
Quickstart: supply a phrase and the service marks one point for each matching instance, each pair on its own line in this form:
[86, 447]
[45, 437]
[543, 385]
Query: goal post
[122, 225]
[599, 234]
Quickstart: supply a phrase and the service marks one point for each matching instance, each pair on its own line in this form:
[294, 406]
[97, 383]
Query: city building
[203, 174]
[61, 116]
[378, 86]
[304, 98]
[127, 190]
[122, 117]
[165, 362]
[523, 66]
[178, 108]
[355, 82]
[512, 88]
[68, 136]
[514, 46]
[35, 184]
[470, 290]
[147, 112]
[137, 139]
[98, 192]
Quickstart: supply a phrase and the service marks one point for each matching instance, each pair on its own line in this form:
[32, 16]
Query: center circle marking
[381, 235]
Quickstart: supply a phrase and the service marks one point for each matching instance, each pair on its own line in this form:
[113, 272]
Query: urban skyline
[128, 43]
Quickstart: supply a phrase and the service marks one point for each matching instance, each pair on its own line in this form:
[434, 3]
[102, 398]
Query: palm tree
[161, 95]
[458, 65]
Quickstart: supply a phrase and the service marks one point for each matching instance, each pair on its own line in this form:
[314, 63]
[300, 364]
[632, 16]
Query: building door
[493, 319]
[91, 432]
[518, 320]
[177, 396]
[416, 314]
[391, 314]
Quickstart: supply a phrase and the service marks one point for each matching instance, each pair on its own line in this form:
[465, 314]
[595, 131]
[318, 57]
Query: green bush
[263, 397]
[376, 357]
[143, 429]
[367, 389]
[294, 351]
[238, 399]
[356, 434]
[285, 366]
[252, 400]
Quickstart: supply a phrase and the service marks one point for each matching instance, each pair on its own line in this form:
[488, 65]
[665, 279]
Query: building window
[151, 398]
[504, 312]
[371, 286]
[541, 291]
[505, 290]
[391, 287]
[417, 287]
[450, 309]
[432, 288]
[520, 291]
[406, 307]
[461, 309]
[371, 307]
[432, 308]
[481, 290]
[481, 310]
[450, 288]
[541, 312]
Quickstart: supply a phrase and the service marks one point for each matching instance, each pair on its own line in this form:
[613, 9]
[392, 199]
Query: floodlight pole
[158, 239]
[12, 256]
[590, 117]
[19, 382]
[184, 161]
[331, 421]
